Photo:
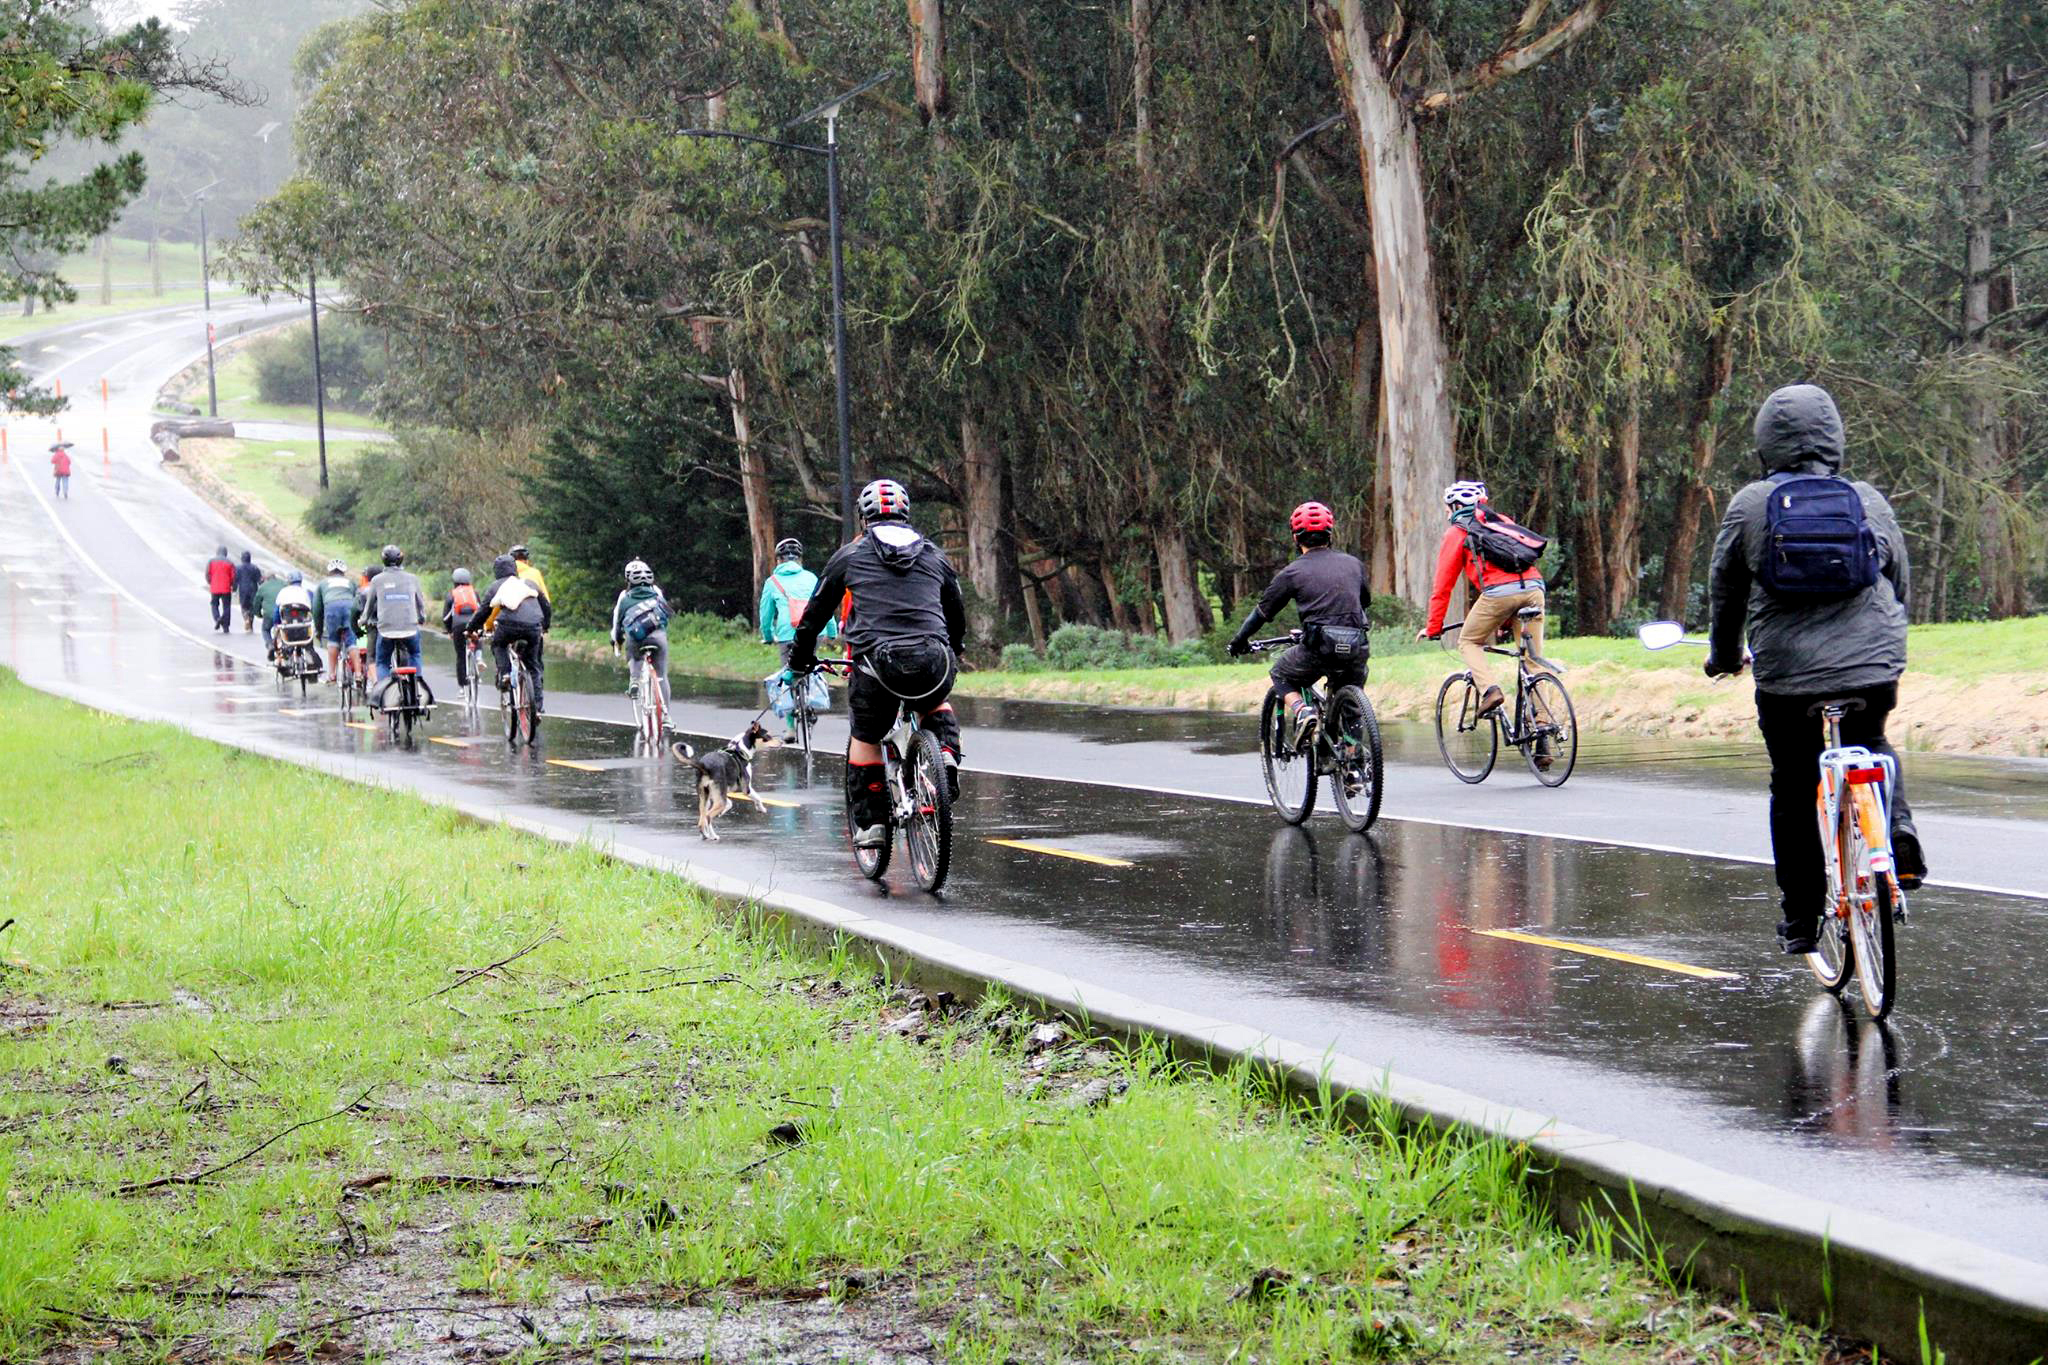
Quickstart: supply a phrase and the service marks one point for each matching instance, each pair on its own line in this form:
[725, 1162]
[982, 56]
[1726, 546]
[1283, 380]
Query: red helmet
[1311, 516]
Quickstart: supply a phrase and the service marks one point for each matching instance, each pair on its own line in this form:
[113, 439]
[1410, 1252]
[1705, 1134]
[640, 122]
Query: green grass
[282, 477]
[235, 387]
[194, 976]
[130, 266]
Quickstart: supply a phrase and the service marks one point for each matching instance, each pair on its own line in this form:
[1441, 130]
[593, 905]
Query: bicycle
[920, 802]
[352, 680]
[522, 714]
[472, 691]
[1292, 762]
[1852, 805]
[409, 709]
[1541, 724]
[650, 707]
[297, 659]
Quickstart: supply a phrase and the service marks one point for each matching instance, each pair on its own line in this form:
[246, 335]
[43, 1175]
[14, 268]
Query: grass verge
[239, 400]
[271, 484]
[271, 1099]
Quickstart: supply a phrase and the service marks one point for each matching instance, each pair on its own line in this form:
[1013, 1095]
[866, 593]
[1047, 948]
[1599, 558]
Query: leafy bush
[351, 361]
[1021, 659]
[446, 497]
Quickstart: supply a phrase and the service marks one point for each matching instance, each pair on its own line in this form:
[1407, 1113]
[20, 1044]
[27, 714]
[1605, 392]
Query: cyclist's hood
[1799, 425]
[790, 568]
[503, 566]
[897, 544]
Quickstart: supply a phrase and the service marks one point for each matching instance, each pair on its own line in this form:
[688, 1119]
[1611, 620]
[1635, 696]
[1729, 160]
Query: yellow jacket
[532, 575]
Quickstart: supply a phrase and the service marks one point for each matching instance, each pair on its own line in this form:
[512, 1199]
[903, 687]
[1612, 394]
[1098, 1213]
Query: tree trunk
[1676, 596]
[1119, 614]
[1624, 523]
[1416, 438]
[1589, 552]
[1998, 573]
[984, 510]
[1178, 585]
[753, 480]
[928, 57]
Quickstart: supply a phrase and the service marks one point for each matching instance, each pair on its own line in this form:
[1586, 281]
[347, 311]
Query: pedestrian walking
[247, 579]
[60, 466]
[220, 582]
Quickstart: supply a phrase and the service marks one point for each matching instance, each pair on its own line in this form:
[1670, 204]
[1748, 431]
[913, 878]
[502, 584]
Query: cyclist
[904, 640]
[395, 609]
[291, 614]
[1329, 591]
[513, 610]
[60, 468]
[456, 614]
[1498, 590]
[220, 586]
[1811, 646]
[785, 594]
[334, 610]
[529, 573]
[640, 618]
[266, 605]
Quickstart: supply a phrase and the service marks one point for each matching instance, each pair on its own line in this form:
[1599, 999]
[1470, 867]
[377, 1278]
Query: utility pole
[206, 292]
[319, 378]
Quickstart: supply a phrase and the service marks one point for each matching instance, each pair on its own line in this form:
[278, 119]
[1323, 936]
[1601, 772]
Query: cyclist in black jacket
[904, 631]
[1328, 587]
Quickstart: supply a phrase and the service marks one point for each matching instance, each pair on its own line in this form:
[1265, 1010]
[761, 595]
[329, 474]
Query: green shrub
[351, 361]
[1021, 659]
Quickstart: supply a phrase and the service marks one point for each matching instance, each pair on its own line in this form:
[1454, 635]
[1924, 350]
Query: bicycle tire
[514, 706]
[1357, 812]
[1282, 770]
[1550, 706]
[1871, 932]
[874, 862]
[1466, 724]
[928, 835]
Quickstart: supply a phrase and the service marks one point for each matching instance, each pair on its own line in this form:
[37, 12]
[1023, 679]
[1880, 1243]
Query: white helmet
[1464, 493]
[336, 566]
[638, 575]
[884, 498]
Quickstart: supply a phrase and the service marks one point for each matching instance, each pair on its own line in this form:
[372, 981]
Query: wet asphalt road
[1379, 946]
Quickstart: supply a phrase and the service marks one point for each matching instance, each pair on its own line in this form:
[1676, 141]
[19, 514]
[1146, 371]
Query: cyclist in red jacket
[220, 581]
[1497, 592]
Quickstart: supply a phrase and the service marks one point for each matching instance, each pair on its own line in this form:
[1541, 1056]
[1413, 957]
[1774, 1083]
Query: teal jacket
[790, 585]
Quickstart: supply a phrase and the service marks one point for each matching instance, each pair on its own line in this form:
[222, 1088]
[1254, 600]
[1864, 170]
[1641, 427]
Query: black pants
[1297, 669]
[1795, 739]
[223, 608]
[458, 634]
[502, 637]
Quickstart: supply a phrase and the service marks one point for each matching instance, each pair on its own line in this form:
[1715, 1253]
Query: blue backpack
[1817, 542]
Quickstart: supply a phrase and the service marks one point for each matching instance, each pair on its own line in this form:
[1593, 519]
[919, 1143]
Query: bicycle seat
[406, 672]
[1844, 704]
[1529, 613]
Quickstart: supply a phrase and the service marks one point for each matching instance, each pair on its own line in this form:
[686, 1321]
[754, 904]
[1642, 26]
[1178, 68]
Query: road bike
[522, 712]
[1293, 760]
[650, 706]
[1852, 805]
[352, 680]
[920, 801]
[1540, 722]
[472, 691]
[403, 707]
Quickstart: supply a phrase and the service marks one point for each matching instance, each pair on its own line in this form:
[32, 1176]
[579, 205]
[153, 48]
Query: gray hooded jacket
[1805, 648]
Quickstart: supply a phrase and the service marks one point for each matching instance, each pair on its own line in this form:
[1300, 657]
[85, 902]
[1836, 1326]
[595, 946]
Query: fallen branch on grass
[443, 1180]
[548, 937]
[196, 1177]
[724, 978]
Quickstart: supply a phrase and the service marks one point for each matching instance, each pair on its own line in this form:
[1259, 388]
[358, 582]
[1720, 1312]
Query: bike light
[1866, 775]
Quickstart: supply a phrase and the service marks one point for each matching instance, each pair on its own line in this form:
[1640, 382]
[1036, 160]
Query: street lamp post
[829, 111]
[206, 292]
[319, 379]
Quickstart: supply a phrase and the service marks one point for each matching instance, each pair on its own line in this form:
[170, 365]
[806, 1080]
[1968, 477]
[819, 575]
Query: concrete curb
[1739, 1235]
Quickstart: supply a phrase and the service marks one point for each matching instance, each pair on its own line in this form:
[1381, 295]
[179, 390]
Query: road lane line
[360, 724]
[767, 800]
[1613, 954]
[1052, 851]
[578, 766]
[453, 743]
[298, 711]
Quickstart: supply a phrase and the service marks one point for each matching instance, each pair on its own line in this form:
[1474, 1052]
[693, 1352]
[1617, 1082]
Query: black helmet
[503, 566]
[789, 548]
[393, 556]
[518, 552]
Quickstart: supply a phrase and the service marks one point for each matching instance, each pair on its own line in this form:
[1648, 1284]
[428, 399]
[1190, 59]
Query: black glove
[1239, 646]
[1716, 669]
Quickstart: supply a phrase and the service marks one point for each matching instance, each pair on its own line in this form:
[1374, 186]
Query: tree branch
[1512, 60]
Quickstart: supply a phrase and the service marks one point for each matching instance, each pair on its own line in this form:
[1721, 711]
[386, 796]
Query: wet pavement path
[1386, 947]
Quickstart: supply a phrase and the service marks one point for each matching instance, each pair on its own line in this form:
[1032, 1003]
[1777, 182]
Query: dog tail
[685, 754]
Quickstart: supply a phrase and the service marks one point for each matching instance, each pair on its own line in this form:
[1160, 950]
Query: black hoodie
[902, 587]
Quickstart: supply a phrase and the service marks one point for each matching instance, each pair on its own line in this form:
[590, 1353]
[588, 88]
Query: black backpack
[1817, 542]
[1505, 544]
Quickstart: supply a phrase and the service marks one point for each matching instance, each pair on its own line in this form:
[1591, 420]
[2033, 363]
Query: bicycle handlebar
[1274, 642]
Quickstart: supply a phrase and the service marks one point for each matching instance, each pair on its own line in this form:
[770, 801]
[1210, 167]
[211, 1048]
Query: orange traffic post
[3, 445]
[105, 401]
[106, 449]
[60, 387]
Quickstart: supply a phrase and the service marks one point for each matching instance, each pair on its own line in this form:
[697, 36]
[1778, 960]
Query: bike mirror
[1660, 634]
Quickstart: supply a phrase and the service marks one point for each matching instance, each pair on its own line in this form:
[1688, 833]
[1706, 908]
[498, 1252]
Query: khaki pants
[1484, 620]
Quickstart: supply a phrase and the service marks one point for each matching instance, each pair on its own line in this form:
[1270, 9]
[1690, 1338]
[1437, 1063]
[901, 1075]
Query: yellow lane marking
[1661, 964]
[359, 724]
[768, 801]
[451, 743]
[295, 711]
[579, 767]
[1096, 858]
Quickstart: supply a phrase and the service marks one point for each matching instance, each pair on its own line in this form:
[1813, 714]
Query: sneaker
[1798, 939]
[952, 776]
[1490, 701]
[1305, 719]
[1907, 860]
[633, 691]
[871, 836]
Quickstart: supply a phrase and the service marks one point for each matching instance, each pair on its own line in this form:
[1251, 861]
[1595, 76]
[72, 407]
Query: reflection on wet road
[1447, 953]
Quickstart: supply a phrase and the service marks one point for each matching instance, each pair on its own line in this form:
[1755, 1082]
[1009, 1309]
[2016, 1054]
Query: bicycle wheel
[1468, 741]
[1550, 730]
[1290, 776]
[514, 706]
[928, 836]
[1870, 930]
[874, 862]
[1356, 777]
[1833, 960]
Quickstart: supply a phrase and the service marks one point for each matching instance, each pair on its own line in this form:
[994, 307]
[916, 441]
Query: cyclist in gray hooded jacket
[1810, 650]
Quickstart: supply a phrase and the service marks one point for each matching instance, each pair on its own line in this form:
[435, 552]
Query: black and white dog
[723, 772]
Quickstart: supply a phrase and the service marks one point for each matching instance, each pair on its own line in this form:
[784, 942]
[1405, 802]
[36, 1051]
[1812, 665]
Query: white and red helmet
[884, 498]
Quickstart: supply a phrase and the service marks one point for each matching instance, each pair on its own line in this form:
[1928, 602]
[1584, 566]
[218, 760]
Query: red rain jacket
[220, 577]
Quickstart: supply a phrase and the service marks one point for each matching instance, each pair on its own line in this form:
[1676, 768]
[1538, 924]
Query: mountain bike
[1852, 805]
[920, 802]
[522, 714]
[403, 707]
[1541, 722]
[1293, 760]
[352, 680]
[650, 707]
